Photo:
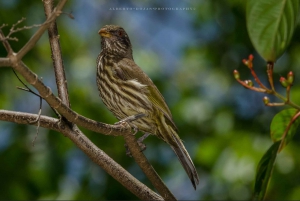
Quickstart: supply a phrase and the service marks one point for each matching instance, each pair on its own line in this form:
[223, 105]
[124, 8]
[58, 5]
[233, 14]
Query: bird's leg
[135, 129]
[140, 141]
[128, 153]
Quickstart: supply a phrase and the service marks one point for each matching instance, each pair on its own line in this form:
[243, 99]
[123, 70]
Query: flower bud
[266, 100]
[251, 57]
[245, 61]
[284, 82]
[248, 62]
[236, 74]
[250, 83]
[290, 77]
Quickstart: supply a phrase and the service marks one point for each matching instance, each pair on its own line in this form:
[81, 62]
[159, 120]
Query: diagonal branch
[61, 81]
[64, 110]
[147, 168]
[90, 149]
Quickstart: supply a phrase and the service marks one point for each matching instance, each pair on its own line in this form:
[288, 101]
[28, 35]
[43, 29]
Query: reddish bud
[251, 57]
[236, 74]
[284, 82]
[248, 62]
[266, 100]
[290, 77]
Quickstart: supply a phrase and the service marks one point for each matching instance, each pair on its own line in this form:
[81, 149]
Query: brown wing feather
[126, 69]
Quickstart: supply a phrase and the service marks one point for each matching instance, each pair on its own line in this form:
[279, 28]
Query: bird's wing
[126, 69]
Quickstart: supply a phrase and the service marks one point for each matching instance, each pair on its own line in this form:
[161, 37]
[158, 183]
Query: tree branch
[90, 149]
[33, 40]
[61, 81]
[46, 92]
[5, 62]
[147, 168]
[5, 43]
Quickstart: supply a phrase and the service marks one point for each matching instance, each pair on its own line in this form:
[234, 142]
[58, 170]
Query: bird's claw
[141, 145]
[130, 118]
[139, 141]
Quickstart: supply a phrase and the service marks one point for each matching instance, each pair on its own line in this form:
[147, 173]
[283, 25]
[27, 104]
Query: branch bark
[90, 149]
[5, 62]
[147, 168]
[61, 81]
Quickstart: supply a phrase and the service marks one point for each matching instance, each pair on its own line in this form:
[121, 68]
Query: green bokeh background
[190, 55]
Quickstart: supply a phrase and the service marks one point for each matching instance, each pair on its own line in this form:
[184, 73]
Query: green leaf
[270, 25]
[264, 171]
[281, 122]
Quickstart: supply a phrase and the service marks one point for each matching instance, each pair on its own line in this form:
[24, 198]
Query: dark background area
[190, 55]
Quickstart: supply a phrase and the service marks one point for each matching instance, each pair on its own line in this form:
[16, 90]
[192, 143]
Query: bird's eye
[120, 33]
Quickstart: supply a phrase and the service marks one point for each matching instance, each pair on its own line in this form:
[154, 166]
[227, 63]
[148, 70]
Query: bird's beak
[103, 32]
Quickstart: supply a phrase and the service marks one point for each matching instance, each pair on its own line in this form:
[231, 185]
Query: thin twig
[263, 88]
[5, 43]
[26, 87]
[37, 120]
[33, 40]
[270, 66]
[275, 104]
[13, 29]
[257, 79]
[251, 87]
[288, 90]
[295, 117]
[3, 25]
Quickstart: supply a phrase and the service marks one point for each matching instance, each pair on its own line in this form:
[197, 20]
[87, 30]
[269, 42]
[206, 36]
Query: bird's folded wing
[126, 69]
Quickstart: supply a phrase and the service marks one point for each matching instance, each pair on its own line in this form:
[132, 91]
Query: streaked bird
[126, 90]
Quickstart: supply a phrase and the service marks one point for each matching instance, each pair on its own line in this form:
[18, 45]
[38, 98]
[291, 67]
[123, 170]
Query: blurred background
[190, 52]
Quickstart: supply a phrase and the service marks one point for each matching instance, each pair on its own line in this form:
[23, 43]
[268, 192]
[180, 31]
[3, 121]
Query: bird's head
[115, 41]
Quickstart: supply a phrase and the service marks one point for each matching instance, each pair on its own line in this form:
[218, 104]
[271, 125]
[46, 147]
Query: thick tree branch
[65, 111]
[5, 62]
[91, 150]
[147, 168]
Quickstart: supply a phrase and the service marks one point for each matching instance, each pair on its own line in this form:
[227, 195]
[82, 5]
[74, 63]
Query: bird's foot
[140, 143]
[128, 153]
[130, 118]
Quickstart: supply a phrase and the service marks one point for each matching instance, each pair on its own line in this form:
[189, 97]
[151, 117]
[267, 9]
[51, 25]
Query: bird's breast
[123, 97]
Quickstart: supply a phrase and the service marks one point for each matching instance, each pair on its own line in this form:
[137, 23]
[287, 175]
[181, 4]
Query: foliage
[271, 25]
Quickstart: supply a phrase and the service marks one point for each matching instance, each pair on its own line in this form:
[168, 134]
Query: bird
[126, 91]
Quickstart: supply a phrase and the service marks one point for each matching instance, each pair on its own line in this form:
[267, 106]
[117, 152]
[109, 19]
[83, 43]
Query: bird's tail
[184, 157]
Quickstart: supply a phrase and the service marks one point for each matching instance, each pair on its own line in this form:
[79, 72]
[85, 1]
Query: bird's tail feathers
[184, 158]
